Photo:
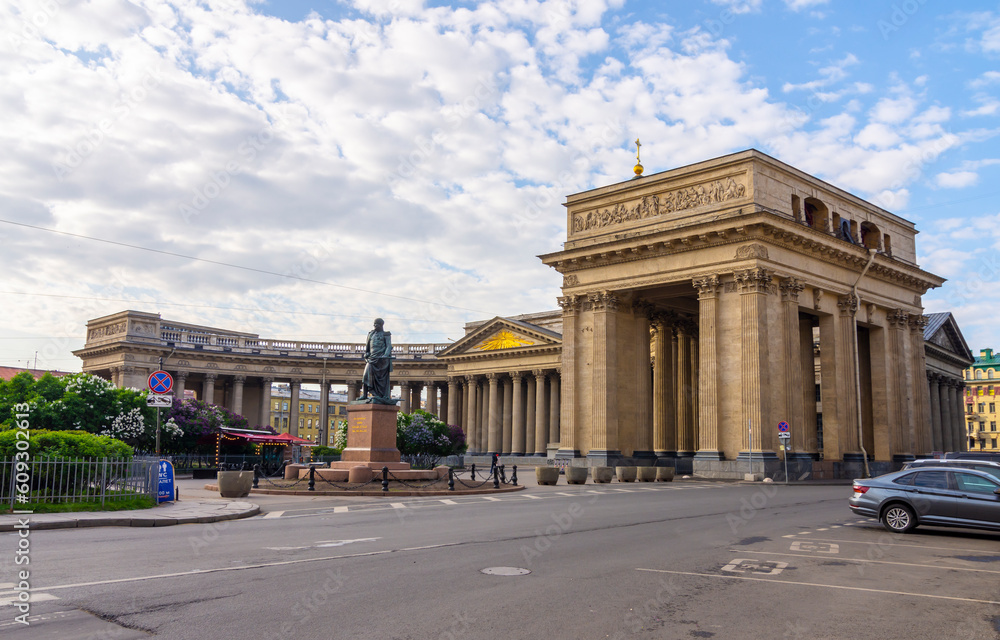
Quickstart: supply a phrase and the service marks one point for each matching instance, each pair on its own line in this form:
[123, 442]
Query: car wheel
[898, 518]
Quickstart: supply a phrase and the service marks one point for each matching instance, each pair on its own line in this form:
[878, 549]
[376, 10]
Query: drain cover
[505, 571]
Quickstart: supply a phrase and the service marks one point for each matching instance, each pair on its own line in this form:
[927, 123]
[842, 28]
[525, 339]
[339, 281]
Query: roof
[942, 330]
[6, 373]
[985, 361]
[934, 322]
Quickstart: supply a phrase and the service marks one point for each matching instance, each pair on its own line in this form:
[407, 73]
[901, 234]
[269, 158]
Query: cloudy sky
[295, 168]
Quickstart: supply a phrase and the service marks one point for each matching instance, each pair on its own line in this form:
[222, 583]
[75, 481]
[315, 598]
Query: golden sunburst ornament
[503, 340]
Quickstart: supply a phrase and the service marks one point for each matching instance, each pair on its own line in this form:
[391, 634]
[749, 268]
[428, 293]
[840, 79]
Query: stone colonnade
[515, 413]
[947, 412]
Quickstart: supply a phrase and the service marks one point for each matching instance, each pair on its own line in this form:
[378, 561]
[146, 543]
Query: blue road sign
[160, 382]
[165, 493]
[782, 427]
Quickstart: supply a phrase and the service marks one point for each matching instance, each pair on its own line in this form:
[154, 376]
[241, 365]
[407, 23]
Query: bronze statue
[378, 356]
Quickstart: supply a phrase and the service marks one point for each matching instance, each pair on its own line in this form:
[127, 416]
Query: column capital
[569, 304]
[918, 322]
[454, 380]
[790, 289]
[469, 379]
[538, 373]
[604, 300]
[267, 380]
[182, 375]
[492, 377]
[707, 286]
[848, 304]
[294, 382]
[642, 308]
[211, 375]
[897, 318]
[240, 378]
[404, 384]
[515, 376]
[756, 280]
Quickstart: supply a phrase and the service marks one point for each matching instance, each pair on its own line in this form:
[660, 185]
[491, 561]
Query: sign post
[160, 383]
[784, 436]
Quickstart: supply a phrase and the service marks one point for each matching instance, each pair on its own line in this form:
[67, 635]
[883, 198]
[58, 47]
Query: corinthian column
[453, 404]
[604, 399]
[494, 442]
[685, 435]
[921, 394]
[568, 447]
[847, 341]
[517, 419]
[708, 370]
[643, 402]
[754, 286]
[664, 430]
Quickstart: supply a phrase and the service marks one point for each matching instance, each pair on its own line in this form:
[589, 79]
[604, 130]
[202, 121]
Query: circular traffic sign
[783, 427]
[160, 382]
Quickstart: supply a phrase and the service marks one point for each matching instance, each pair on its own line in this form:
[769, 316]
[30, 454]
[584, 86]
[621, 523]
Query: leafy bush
[321, 450]
[424, 438]
[65, 444]
[198, 423]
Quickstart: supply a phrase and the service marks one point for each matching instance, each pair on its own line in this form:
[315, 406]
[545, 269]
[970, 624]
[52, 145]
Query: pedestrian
[494, 463]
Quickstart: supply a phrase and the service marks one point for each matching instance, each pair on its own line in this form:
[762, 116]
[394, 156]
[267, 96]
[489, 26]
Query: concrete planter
[547, 475]
[235, 484]
[664, 474]
[625, 474]
[603, 474]
[645, 474]
[576, 475]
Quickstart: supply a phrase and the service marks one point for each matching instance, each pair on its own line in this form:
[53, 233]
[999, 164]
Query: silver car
[930, 496]
[992, 468]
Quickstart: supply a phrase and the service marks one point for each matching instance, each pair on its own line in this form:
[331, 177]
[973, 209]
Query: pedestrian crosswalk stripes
[460, 500]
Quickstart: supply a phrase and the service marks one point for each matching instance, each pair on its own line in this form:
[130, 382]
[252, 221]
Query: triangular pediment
[503, 335]
[948, 337]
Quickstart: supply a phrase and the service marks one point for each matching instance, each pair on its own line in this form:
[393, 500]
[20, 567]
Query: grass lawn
[137, 502]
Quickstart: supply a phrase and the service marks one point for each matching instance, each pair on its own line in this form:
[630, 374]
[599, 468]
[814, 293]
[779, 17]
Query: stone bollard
[576, 475]
[360, 475]
[603, 475]
[625, 474]
[547, 475]
[664, 474]
[645, 474]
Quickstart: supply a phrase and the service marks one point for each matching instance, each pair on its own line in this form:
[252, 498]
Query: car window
[907, 479]
[974, 484]
[931, 479]
[993, 471]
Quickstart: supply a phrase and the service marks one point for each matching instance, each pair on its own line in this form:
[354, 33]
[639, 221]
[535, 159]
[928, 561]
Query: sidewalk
[195, 506]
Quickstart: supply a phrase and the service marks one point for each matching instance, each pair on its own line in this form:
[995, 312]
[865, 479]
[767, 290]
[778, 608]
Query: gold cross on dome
[637, 145]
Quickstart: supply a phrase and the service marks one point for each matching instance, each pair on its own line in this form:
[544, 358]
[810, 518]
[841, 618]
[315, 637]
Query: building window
[302, 407]
[994, 443]
[993, 407]
[993, 426]
[276, 423]
[276, 404]
[284, 406]
[982, 407]
[302, 422]
[818, 394]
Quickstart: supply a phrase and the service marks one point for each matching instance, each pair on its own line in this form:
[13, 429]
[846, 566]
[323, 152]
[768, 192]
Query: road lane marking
[528, 495]
[35, 598]
[742, 565]
[491, 498]
[398, 505]
[816, 547]
[340, 509]
[273, 514]
[866, 560]
[446, 501]
[814, 584]
[897, 544]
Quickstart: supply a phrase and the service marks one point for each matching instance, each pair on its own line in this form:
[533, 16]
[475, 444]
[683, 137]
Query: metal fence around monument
[67, 480]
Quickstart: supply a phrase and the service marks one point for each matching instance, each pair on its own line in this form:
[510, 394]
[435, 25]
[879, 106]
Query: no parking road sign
[782, 427]
[160, 382]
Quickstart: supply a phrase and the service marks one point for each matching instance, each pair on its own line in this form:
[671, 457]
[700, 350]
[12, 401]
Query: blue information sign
[166, 489]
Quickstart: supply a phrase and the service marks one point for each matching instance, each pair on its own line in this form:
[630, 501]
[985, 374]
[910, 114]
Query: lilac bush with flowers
[423, 439]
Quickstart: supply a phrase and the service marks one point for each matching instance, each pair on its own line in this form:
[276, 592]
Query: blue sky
[408, 159]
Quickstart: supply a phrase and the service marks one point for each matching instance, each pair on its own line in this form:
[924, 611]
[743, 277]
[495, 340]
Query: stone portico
[700, 307]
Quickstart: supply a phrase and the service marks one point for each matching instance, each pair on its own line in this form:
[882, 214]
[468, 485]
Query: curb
[126, 521]
[378, 494]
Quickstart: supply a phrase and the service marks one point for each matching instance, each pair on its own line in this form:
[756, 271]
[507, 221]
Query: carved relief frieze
[183, 363]
[751, 251]
[270, 369]
[212, 365]
[570, 281]
[107, 330]
[655, 205]
[817, 298]
[241, 367]
[296, 370]
[870, 312]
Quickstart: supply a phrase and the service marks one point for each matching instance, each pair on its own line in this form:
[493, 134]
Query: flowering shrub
[340, 438]
[424, 438]
[198, 422]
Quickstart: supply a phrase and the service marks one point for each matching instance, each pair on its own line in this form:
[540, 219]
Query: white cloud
[986, 79]
[740, 6]
[957, 179]
[799, 5]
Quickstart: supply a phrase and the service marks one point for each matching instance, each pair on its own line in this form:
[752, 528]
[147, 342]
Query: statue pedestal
[371, 438]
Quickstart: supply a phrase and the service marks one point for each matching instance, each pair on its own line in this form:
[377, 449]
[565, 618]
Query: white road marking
[822, 586]
[398, 505]
[340, 509]
[35, 597]
[568, 495]
[899, 544]
[528, 495]
[742, 565]
[491, 498]
[814, 546]
[866, 561]
[273, 514]
[446, 501]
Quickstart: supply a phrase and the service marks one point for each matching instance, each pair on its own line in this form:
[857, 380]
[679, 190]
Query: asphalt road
[681, 560]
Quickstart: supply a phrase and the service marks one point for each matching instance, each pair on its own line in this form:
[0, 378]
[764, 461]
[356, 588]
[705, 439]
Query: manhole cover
[505, 571]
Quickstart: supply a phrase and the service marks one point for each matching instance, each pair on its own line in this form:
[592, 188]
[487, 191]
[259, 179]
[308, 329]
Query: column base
[903, 457]
[709, 455]
[645, 456]
[604, 458]
[800, 455]
[856, 456]
[684, 462]
[564, 454]
[758, 455]
[516, 454]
